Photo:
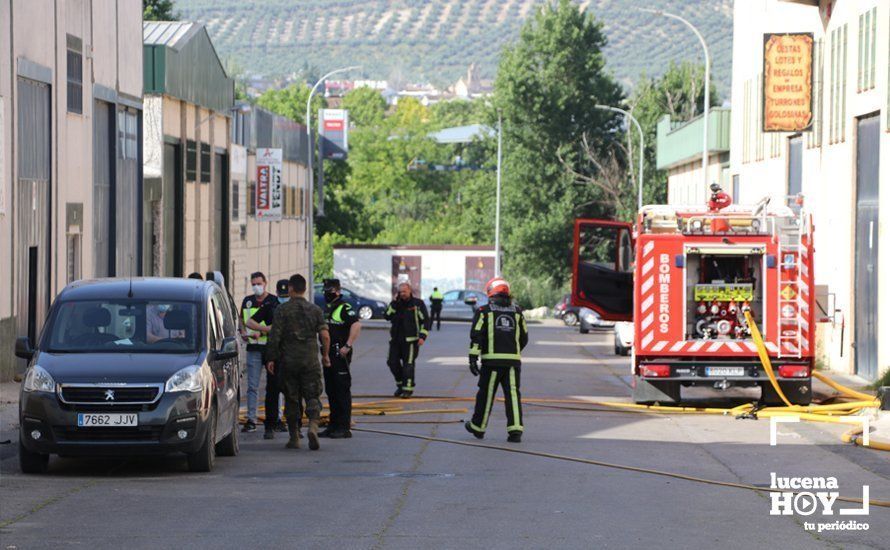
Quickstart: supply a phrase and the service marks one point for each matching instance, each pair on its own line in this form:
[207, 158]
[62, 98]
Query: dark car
[126, 367]
[462, 304]
[566, 311]
[365, 307]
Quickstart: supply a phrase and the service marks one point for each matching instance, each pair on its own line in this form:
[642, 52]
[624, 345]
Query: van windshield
[129, 326]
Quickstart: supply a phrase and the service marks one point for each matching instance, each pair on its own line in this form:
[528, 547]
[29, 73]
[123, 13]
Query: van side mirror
[23, 348]
[228, 349]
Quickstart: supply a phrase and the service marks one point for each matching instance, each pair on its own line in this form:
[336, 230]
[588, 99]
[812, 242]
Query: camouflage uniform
[293, 346]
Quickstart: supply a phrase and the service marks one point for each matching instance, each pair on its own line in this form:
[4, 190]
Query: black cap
[331, 284]
[281, 287]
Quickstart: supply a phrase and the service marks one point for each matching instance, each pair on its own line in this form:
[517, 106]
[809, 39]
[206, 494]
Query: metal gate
[32, 199]
[866, 282]
[127, 203]
[171, 242]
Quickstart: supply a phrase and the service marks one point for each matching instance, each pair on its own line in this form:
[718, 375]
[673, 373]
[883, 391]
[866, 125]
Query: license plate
[724, 371]
[110, 420]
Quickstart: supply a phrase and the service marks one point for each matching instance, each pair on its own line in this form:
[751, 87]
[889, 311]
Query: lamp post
[497, 209]
[310, 225]
[707, 106]
[642, 148]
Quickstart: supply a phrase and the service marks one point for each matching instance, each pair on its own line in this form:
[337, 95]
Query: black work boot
[398, 392]
[476, 434]
[515, 437]
[269, 433]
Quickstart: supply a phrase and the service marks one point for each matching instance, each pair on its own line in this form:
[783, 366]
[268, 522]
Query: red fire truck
[685, 275]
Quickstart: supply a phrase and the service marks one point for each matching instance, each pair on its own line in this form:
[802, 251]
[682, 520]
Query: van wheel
[570, 319]
[202, 461]
[365, 313]
[31, 462]
[625, 351]
[229, 446]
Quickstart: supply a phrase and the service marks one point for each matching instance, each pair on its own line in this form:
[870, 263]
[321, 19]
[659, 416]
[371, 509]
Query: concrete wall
[829, 172]
[35, 32]
[368, 271]
[686, 185]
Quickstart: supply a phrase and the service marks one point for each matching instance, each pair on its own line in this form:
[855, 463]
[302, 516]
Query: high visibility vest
[254, 336]
[436, 295]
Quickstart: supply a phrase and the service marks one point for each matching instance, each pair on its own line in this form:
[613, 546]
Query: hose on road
[651, 471]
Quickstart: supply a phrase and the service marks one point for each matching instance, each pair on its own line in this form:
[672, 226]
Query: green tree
[291, 102]
[366, 107]
[158, 10]
[547, 85]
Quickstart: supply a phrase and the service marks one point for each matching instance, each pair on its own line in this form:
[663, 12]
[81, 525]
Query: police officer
[410, 327]
[344, 326]
[498, 335]
[436, 299]
[293, 347]
[264, 317]
[256, 335]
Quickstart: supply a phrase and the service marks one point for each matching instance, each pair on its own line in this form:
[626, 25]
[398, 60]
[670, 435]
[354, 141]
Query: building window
[127, 144]
[837, 122]
[73, 259]
[814, 137]
[867, 48]
[251, 204]
[236, 201]
[191, 160]
[301, 208]
[205, 163]
[75, 74]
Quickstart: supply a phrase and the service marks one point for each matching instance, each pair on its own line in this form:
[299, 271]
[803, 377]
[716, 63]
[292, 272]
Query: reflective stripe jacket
[498, 335]
[410, 320]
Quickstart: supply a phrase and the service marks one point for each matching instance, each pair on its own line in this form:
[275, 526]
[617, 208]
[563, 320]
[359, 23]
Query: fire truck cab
[685, 275]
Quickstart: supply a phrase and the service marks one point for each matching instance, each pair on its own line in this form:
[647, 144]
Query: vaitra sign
[269, 195]
[787, 82]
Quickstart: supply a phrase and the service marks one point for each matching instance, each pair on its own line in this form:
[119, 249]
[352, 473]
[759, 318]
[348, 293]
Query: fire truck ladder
[788, 320]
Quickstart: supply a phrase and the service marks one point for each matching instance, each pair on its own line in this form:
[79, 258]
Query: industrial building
[836, 164]
[70, 154]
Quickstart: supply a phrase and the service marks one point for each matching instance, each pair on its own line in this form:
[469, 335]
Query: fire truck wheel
[646, 392]
[798, 392]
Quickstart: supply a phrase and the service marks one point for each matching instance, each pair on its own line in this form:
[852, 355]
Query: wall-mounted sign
[334, 125]
[269, 195]
[787, 82]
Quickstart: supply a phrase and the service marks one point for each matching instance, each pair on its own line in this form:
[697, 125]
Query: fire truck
[686, 275]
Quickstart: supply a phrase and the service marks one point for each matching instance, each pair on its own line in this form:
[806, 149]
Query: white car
[624, 338]
[590, 319]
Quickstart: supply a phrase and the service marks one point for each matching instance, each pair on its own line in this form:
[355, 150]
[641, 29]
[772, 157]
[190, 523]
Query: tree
[546, 88]
[366, 107]
[290, 102]
[158, 10]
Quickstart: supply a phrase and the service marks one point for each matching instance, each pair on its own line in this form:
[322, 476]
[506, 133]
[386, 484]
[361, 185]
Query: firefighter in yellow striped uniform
[410, 328]
[497, 337]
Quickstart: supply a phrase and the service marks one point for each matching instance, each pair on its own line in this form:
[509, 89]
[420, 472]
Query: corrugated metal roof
[172, 34]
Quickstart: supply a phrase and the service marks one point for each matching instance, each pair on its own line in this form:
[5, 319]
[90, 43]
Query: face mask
[283, 299]
[164, 308]
[330, 296]
[258, 290]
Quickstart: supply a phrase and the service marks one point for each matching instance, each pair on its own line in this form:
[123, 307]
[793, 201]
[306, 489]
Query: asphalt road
[386, 491]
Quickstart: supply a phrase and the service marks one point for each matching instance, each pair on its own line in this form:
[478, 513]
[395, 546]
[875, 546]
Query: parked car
[624, 338]
[462, 304]
[366, 307]
[590, 319]
[566, 311]
[137, 366]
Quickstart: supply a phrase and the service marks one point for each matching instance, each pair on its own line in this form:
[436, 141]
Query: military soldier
[498, 335]
[344, 327]
[293, 343]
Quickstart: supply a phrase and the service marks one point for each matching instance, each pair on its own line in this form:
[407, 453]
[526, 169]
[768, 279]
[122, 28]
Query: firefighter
[292, 355]
[436, 300]
[410, 327]
[344, 327]
[498, 336]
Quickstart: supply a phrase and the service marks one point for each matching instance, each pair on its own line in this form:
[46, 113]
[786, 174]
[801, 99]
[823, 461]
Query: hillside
[435, 40]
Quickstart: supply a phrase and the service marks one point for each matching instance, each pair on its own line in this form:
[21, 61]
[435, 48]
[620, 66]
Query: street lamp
[310, 226]
[704, 45]
[642, 148]
[497, 209]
